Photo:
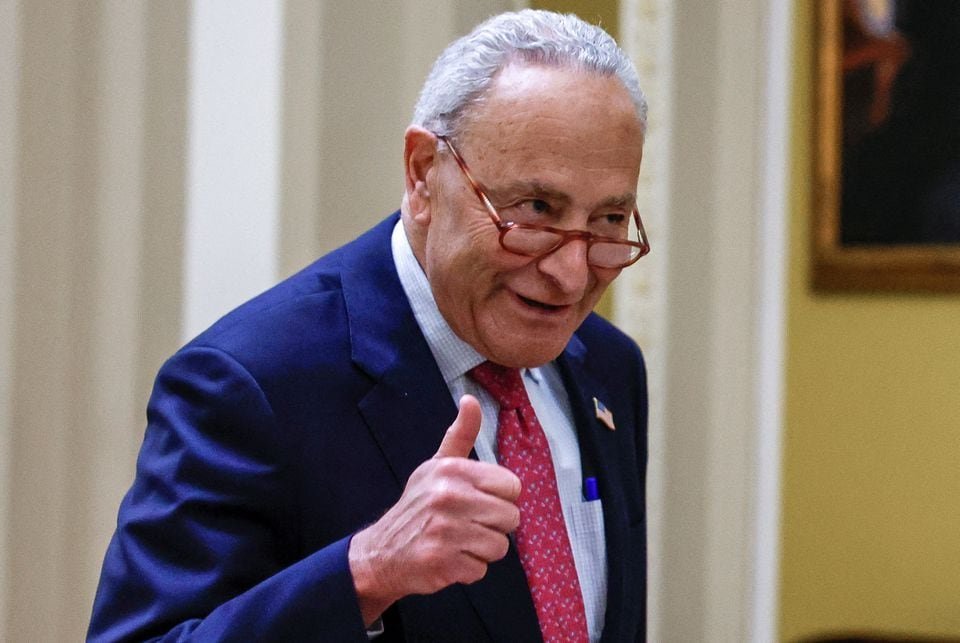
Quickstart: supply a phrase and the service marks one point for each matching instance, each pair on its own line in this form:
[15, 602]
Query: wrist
[372, 596]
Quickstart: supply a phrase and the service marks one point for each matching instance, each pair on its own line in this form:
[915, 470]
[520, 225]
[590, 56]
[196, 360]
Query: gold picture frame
[839, 265]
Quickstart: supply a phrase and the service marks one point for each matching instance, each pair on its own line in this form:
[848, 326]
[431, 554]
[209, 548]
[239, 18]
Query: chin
[528, 355]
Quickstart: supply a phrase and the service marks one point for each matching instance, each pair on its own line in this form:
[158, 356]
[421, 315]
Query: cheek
[452, 260]
[474, 257]
[457, 274]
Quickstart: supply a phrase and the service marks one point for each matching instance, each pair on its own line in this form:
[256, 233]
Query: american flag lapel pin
[604, 414]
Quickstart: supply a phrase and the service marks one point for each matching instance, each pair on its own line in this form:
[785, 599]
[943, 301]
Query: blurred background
[160, 162]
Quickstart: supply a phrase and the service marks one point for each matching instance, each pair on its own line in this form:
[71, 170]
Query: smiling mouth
[539, 304]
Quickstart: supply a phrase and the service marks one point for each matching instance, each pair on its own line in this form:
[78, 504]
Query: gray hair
[465, 70]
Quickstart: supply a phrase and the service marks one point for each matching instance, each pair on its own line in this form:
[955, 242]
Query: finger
[469, 569]
[459, 439]
[486, 545]
[454, 494]
[497, 480]
[496, 514]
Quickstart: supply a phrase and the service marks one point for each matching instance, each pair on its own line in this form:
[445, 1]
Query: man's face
[551, 146]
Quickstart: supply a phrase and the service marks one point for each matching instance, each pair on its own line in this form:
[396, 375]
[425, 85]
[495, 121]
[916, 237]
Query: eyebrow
[531, 188]
[538, 189]
[626, 200]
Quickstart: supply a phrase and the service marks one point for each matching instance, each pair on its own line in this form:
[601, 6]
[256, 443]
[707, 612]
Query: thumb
[459, 438]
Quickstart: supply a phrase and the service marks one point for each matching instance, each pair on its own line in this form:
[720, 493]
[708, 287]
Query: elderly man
[426, 435]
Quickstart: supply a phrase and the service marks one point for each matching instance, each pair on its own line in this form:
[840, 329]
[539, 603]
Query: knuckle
[444, 573]
[448, 467]
[474, 572]
[438, 531]
[516, 486]
[502, 546]
[445, 494]
[514, 518]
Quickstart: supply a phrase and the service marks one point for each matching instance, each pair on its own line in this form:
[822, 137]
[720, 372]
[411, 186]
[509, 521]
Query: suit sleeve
[207, 541]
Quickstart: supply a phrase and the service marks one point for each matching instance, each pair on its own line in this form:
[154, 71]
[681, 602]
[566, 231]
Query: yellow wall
[605, 13]
[871, 479]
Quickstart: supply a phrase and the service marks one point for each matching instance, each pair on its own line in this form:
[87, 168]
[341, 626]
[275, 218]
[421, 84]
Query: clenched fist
[450, 523]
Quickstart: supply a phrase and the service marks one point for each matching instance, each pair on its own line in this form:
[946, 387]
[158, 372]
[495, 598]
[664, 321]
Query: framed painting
[887, 146]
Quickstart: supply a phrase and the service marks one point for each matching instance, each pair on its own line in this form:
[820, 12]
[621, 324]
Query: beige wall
[94, 158]
[92, 286]
[871, 516]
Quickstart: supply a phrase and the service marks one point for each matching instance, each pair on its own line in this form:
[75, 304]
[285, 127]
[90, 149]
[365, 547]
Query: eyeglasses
[533, 240]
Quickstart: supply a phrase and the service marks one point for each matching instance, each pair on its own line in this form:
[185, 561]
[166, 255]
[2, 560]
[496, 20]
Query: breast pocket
[588, 541]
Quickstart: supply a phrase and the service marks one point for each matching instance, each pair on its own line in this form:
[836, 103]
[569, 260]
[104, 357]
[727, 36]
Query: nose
[567, 266]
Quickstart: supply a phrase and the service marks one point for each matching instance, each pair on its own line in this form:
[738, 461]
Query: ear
[419, 162]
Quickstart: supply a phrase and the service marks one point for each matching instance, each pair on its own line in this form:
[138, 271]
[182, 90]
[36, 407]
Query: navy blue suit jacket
[295, 421]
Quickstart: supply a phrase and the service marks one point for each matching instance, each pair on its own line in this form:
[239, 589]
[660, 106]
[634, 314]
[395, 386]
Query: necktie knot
[503, 383]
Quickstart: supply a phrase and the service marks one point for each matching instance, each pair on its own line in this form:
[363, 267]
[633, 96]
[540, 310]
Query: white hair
[465, 70]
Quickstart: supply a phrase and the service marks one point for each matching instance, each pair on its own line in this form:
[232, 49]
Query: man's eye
[611, 224]
[536, 205]
[611, 221]
[530, 209]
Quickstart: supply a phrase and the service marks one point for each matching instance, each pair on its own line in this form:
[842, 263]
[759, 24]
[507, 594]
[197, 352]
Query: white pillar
[233, 155]
[708, 308]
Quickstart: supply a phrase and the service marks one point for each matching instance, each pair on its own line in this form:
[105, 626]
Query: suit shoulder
[289, 312]
[598, 334]
[303, 314]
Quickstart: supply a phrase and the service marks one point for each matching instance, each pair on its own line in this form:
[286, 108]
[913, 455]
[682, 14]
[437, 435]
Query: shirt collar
[453, 355]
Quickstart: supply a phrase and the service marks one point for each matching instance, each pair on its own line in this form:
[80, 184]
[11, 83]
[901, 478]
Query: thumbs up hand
[459, 439]
[450, 523]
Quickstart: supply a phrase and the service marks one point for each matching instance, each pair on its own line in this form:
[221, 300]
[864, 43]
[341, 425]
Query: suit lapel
[408, 407]
[599, 449]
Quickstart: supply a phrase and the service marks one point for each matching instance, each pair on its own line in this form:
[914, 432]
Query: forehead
[536, 115]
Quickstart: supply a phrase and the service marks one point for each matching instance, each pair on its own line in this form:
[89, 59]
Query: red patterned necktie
[542, 540]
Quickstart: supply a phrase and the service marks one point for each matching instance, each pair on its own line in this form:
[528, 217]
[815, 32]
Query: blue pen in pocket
[590, 490]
